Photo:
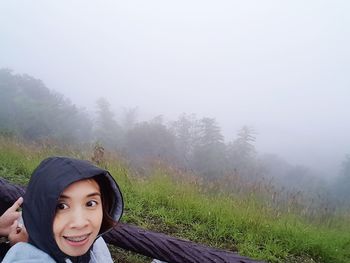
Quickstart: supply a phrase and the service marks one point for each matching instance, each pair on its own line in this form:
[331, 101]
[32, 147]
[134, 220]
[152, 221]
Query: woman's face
[78, 217]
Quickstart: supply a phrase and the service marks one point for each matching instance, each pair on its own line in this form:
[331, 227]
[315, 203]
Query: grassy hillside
[168, 201]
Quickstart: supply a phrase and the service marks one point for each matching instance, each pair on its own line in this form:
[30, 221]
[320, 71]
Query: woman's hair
[108, 202]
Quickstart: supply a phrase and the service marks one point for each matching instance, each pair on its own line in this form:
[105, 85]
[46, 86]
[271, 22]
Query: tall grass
[253, 218]
[245, 225]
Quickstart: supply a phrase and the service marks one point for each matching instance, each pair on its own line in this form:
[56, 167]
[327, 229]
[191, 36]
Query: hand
[10, 215]
[18, 233]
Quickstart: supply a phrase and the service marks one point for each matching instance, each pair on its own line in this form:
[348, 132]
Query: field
[256, 220]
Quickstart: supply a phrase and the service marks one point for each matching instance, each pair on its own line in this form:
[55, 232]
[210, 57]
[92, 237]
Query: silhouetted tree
[151, 140]
[7, 93]
[209, 151]
[107, 130]
[186, 132]
[129, 118]
[342, 185]
[241, 152]
[32, 111]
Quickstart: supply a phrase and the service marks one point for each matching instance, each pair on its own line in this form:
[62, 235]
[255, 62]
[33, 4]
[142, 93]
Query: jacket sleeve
[24, 252]
[100, 252]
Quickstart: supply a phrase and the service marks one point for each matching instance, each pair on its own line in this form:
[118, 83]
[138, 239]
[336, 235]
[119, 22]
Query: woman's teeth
[77, 239]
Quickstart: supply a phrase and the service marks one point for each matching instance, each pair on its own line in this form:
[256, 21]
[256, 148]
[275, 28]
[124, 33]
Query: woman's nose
[78, 219]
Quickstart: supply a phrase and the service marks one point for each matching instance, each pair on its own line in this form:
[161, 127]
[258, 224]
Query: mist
[280, 68]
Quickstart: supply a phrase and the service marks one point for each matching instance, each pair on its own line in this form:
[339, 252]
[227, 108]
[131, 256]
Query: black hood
[46, 184]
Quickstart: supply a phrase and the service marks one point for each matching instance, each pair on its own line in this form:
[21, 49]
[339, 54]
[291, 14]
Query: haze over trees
[342, 185]
[31, 111]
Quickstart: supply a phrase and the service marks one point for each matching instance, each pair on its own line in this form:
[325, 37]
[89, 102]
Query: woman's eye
[91, 203]
[61, 206]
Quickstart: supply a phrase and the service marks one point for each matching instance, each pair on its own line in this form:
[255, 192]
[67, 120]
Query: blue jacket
[27, 253]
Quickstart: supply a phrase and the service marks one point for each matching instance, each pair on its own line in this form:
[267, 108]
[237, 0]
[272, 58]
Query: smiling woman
[78, 217]
[66, 209]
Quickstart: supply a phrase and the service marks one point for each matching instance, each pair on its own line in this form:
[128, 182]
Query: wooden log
[145, 242]
[167, 248]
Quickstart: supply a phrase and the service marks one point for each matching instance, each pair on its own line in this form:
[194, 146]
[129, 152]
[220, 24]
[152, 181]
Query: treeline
[29, 110]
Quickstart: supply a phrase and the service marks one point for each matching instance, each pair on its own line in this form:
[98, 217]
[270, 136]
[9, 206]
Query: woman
[67, 206]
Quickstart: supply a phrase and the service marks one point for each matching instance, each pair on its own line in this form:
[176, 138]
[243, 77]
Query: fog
[281, 68]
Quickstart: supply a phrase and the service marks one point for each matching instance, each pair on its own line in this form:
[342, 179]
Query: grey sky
[281, 67]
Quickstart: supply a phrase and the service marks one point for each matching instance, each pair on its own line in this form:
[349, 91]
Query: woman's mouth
[77, 240]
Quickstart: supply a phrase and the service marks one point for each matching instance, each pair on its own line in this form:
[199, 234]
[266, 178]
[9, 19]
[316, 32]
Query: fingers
[13, 227]
[8, 218]
[17, 233]
[12, 211]
[16, 227]
[16, 204]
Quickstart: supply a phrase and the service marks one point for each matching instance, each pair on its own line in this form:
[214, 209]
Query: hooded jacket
[47, 182]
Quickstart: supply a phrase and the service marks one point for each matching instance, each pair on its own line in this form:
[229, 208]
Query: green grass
[232, 224]
[162, 203]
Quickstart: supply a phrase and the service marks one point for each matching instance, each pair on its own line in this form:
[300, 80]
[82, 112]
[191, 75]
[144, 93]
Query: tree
[8, 92]
[32, 111]
[107, 130]
[129, 118]
[209, 150]
[342, 184]
[241, 152]
[186, 134]
[151, 140]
